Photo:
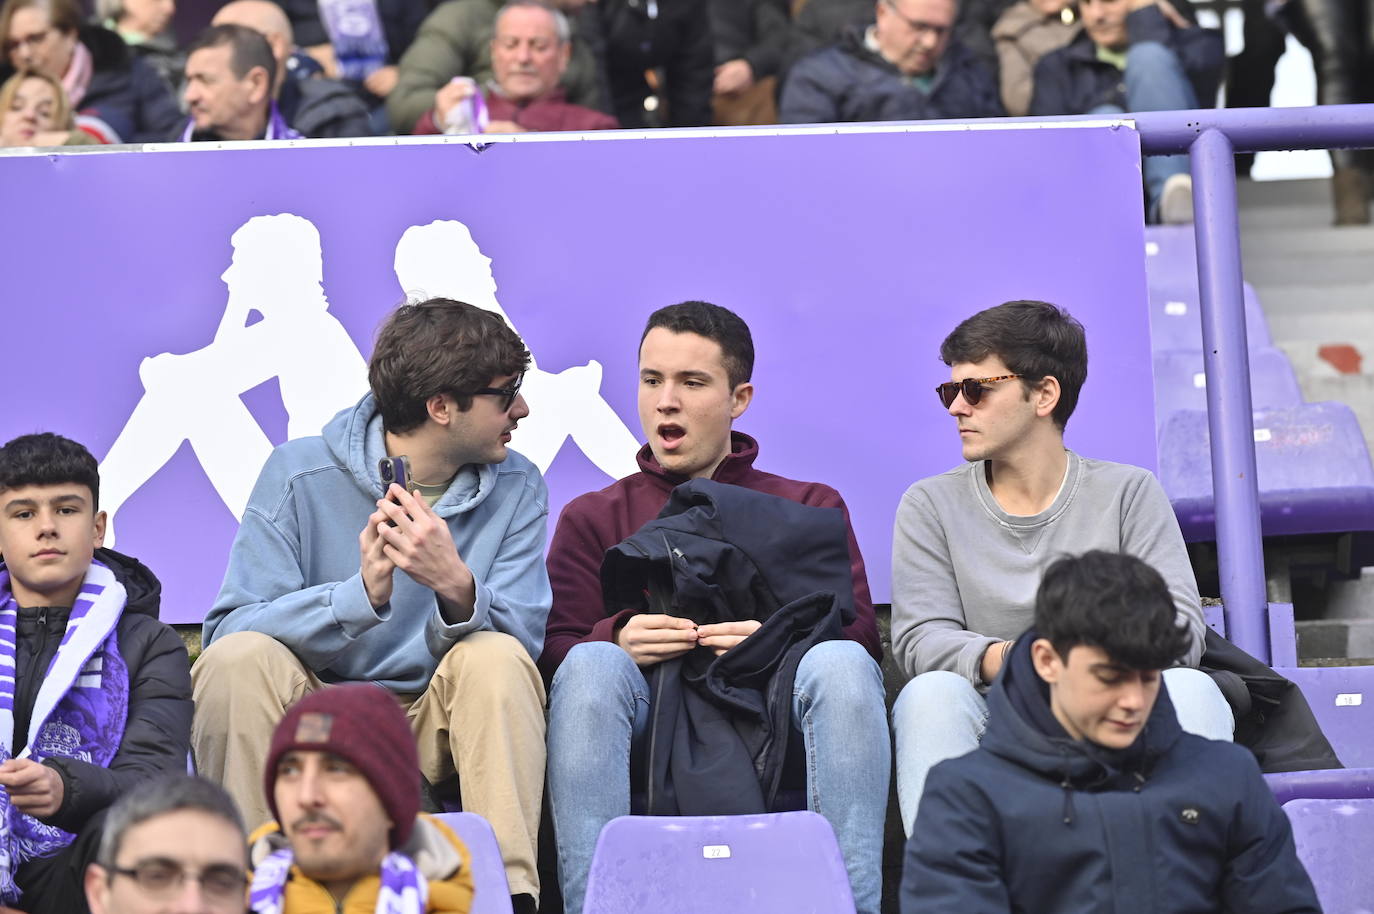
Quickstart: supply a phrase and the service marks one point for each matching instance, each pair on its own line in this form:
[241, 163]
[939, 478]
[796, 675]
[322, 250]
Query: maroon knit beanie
[365, 725]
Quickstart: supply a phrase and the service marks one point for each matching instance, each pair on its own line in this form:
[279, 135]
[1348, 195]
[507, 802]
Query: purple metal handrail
[1212, 138]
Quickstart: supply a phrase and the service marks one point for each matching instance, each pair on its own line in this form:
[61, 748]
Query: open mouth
[671, 434]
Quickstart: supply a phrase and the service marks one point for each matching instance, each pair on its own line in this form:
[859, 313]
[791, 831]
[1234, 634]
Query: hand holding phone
[394, 470]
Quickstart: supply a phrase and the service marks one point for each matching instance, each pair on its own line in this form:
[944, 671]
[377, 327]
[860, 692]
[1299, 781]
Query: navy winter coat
[1038, 823]
[126, 92]
[848, 82]
[1072, 80]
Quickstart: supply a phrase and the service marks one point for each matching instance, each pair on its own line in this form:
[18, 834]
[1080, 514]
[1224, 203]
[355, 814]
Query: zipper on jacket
[653, 744]
[37, 647]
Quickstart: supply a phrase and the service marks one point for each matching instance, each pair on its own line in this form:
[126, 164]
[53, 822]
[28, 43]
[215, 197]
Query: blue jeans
[940, 715]
[599, 708]
[1155, 81]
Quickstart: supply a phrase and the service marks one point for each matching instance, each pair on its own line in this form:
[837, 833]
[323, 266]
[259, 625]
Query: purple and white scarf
[80, 711]
[403, 890]
[277, 128]
[355, 31]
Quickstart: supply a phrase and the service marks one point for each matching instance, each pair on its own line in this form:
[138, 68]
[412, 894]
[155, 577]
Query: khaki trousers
[482, 713]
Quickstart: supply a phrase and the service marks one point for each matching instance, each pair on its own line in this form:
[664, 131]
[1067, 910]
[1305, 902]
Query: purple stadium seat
[1335, 840]
[492, 895]
[1174, 315]
[1180, 382]
[1313, 470]
[1325, 784]
[1170, 250]
[785, 862]
[1342, 698]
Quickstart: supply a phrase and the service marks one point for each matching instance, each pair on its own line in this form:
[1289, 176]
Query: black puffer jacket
[673, 36]
[157, 736]
[849, 82]
[720, 726]
[126, 92]
[1035, 821]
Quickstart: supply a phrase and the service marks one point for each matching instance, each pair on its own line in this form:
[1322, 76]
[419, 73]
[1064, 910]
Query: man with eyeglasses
[435, 590]
[969, 545]
[906, 66]
[173, 843]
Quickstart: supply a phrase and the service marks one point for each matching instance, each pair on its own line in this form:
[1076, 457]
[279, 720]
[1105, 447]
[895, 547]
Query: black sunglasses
[971, 388]
[510, 392]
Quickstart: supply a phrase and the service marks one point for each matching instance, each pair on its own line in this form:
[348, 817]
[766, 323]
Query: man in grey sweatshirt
[969, 545]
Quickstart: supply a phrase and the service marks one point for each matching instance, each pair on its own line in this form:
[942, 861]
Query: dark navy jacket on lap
[848, 82]
[1035, 821]
[1072, 80]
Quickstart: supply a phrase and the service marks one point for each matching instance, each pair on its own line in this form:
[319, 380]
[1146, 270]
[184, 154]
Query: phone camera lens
[386, 471]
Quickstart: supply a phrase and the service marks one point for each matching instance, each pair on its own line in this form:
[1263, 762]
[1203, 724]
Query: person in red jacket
[695, 362]
[531, 45]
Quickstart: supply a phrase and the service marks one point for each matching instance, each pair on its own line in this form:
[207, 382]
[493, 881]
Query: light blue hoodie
[293, 571]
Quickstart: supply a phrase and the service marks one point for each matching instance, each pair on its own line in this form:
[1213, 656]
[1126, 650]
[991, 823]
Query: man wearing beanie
[342, 780]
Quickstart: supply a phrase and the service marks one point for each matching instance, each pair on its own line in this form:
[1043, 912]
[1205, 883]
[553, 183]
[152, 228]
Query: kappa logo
[1190, 815]
[314, 727]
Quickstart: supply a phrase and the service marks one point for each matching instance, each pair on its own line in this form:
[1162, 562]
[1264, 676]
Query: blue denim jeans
[599, 708]
[1155, 81]
[940, 715]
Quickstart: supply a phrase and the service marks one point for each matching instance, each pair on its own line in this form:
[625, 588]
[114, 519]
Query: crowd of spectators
[382, 67]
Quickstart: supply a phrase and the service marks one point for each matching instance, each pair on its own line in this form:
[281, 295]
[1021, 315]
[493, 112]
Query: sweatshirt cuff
[353, 610]
[970, 661]
[441, 636]
[605, 629]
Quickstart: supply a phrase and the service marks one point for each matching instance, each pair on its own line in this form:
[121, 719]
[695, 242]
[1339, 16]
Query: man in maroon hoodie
[695, 361]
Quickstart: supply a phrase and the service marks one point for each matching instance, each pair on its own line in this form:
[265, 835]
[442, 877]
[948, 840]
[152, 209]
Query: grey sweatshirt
[965, 572]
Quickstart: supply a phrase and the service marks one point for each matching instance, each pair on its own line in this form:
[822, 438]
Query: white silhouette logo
[277, 273]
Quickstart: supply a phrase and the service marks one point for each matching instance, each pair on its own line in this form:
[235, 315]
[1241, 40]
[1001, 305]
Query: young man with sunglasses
[435, 590]
[969, 545]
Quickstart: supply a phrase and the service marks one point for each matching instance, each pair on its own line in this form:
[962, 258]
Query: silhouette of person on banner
[276, 272]
[442, 259]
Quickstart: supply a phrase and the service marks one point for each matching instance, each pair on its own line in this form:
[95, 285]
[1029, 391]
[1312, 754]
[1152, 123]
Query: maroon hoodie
[593, 523]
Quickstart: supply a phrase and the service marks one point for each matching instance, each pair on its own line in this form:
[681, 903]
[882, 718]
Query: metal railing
[1212, 138]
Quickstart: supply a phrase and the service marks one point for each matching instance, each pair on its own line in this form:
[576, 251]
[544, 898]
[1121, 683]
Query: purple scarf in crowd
[403, 889]
[355, 31]
[80, 711]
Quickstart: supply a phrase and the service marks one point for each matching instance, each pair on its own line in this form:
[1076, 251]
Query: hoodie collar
[1023, 729]
[737, 465]
[355, 438]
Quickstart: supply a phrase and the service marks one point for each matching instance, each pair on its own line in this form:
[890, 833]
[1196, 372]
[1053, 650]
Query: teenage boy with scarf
[95, 692]
[1086, 794]
[341, 779]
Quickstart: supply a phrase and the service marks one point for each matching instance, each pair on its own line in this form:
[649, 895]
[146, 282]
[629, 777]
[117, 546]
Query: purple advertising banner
[181, 311]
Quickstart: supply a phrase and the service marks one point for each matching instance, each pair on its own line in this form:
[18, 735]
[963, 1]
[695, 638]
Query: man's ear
[97, 886]
[1048, 665]
[740, 399]
[99, 530]
[1046, 395]
[259, 87]
[442, 408]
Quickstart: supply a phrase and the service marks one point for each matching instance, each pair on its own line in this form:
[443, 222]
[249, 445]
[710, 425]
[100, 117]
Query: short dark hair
[438, 346]
[248, 49]
[720, 325]
[1114, 602]
[1034, 339]
[46, 459]
[159, 796]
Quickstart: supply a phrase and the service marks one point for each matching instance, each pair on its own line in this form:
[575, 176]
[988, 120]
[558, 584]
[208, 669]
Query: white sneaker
[1176, 200]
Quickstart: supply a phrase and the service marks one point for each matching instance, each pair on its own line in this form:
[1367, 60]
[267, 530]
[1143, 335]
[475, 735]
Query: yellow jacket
[438, 853]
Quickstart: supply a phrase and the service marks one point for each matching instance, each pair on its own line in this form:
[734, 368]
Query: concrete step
[1353, 638]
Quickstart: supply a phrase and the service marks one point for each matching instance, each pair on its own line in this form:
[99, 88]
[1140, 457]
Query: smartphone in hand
[394, 469]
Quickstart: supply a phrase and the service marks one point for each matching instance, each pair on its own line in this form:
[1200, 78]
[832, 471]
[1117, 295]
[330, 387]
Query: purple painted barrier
[491, 893]
[1335, 841]
[1312, 463]
[781, 862]
[851, 255]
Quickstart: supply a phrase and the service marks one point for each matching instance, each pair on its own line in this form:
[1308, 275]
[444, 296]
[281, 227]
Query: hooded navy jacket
[1035, 821]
